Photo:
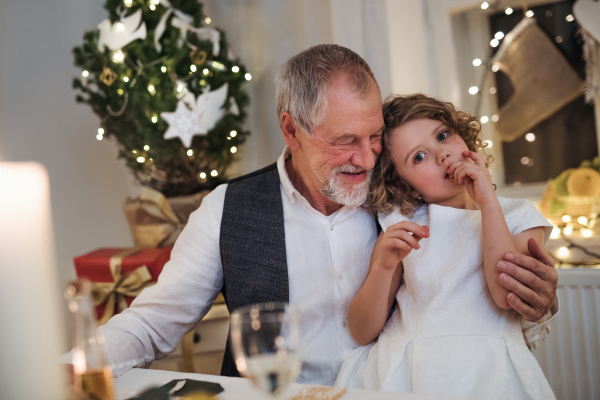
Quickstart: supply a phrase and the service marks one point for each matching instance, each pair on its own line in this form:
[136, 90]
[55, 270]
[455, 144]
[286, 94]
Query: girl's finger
[415, 228]
[413, 239]
[475, 157]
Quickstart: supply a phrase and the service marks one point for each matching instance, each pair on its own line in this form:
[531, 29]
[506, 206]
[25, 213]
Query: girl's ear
[415, 194]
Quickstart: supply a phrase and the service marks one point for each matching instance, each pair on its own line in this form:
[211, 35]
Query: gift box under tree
[118, 275]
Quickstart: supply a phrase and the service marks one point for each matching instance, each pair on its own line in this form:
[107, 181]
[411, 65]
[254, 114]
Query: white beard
[345, 194]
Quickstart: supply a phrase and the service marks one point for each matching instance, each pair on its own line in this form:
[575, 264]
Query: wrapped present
[118, 275]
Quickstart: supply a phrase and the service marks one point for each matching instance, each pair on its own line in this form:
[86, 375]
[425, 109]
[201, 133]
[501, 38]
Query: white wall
[40, 121]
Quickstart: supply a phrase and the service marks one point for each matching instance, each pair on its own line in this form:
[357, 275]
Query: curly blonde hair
[388, 190]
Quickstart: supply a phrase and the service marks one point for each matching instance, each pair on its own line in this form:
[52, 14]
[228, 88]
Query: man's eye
[442, 136]
[418, 158]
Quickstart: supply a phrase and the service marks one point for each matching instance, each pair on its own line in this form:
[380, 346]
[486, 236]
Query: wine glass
[265, 341]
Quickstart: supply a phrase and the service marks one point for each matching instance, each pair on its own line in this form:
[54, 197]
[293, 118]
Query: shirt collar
[290, 190]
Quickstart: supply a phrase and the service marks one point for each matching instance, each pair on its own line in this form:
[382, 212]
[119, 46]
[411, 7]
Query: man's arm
[154, 324]
[531, 281]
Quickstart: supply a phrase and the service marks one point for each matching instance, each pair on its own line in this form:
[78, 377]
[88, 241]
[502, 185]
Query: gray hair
[301, 83]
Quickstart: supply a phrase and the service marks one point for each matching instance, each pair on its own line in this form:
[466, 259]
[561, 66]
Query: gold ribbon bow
[156, 221]
[129, 284]
[152, 220]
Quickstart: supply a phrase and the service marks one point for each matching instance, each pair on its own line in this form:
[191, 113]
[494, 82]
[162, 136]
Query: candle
[30, 322]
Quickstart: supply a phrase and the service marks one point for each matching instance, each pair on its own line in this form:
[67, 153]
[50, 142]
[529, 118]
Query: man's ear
[290, 130]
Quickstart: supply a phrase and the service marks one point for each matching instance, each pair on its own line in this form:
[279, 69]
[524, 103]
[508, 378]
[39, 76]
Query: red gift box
[102, 266]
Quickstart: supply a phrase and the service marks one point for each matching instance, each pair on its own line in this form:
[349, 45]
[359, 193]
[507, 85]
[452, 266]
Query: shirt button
[344, 324]
[340, 277]
[331, 227]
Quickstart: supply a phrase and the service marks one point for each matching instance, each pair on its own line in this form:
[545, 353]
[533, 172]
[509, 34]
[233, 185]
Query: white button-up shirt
[327, 259]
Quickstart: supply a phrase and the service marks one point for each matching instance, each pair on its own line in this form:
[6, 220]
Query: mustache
[353, 169]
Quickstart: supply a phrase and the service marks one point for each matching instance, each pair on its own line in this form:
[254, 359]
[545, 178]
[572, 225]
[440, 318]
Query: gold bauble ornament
[108, 76]
[198, 56]
[584, 182]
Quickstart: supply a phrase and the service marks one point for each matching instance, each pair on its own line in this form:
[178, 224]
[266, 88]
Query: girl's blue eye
[418, 158]
[442, 136]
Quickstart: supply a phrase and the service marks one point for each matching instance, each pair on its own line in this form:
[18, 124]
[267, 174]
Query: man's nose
[364, 156]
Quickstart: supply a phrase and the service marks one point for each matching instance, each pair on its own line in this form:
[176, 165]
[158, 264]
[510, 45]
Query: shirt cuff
[535, 332]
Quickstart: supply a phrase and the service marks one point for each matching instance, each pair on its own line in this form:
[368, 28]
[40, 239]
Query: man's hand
[531, 281]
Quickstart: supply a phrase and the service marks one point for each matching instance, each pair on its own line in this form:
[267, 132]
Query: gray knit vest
[252, 245]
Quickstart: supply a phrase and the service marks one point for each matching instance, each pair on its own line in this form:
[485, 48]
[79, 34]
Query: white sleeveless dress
[446, 335]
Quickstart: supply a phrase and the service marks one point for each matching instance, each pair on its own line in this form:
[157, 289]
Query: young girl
[452, 332]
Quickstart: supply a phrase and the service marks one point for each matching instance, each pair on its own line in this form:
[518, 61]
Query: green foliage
[167, 167]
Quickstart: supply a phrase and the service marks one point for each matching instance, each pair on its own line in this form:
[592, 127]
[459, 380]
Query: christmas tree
[167, 89]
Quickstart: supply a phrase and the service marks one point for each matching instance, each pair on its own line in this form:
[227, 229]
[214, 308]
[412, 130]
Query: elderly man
[294, 231]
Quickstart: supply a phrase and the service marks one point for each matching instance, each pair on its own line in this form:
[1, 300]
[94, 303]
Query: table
[137, 380]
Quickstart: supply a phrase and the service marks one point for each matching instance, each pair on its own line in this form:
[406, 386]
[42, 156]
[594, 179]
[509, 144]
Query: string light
[495, 68]
[134, 151]
[508, 11]
[100, 134]
[495, 118]
[228, 137]
[570, 18]
[141, 159]
[218, 65]
[555, 233]
[202, 82]
[125, 79]
[151, 89]
[530, 137]
[489, 143]
[152, 7]
[493, 90]
[128, 3]
[568, 230]
[190, 152]
[179, 87]
[120, 26]
[233, 133]
[484, 119]
[207, 20]
[214, 173]
[473, 90]
[146, 147]
[118, 56]
[154, 119]
[202, 175]
[233, 149]
[525, 160]
[477, 62]
[248, 76]
[485, 5]
[193, 68]
[163, 69]
[494, 42]
[559, 39]
[566, 218]
[529, 14]
[499, 35]
[582, 220]
[235, 69]
[205, 71]
[563, 252]
[586, 232]
[120, 92]
[85, 73]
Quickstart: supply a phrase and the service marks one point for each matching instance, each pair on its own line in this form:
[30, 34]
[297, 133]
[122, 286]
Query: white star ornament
[122, 32]
[183, 123]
